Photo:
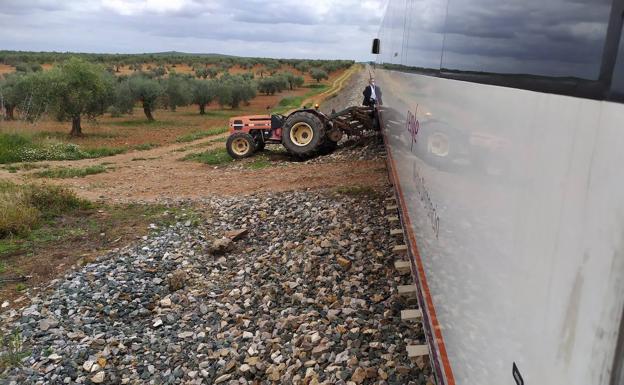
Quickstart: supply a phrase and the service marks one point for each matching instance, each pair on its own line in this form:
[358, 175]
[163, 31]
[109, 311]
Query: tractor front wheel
[240, 145]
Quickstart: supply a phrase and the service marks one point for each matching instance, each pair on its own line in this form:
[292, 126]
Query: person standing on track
[372, 94]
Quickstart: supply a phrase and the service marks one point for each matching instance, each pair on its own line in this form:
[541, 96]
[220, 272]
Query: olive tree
[147, 91]
[72, 90]
[292, 79]
[124, 100]
[201, 72]
[232, 90]
[302, 67]
[271, 85]
[318, 74]
[177, 91]
[203, 93]
[9, 94]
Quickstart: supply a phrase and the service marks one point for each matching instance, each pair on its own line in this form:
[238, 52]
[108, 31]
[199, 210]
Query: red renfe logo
[412, 125]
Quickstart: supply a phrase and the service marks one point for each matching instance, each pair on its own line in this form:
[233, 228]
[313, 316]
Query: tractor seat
[277, 121]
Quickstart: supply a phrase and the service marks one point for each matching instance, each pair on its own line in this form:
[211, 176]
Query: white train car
[504, 125]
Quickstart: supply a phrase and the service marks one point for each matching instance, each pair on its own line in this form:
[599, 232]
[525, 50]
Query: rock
[332, 314]
[177, 280]
[98, 378]
[165, 302]
[222, 378]
[87, 365]
[184, 335]
[235, 235]
[344, 263]
[47, 323]
[55, 357]
[157, 322]
[220, 246]
[359, 375]
[244, 368]
[320, 349]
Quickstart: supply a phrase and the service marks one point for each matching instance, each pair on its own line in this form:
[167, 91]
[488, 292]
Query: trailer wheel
[303, 133]
[240, 145]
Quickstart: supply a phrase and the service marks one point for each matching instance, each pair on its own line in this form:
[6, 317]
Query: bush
[12, 350]
[23, 207]
[20, 148]
[16, 215]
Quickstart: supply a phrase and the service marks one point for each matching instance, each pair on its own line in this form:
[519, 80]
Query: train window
[412, 33]
[554, 38]
[617, 84]
[423, 33]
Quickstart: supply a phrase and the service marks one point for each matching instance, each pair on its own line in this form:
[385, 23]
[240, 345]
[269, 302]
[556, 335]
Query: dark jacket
[367, 95]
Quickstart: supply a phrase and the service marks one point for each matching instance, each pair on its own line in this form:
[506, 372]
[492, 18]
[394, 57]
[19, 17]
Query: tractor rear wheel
[240, 145]
[303, 133]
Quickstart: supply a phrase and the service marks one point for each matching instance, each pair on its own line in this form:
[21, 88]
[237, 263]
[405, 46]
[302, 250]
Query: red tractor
[304, 132]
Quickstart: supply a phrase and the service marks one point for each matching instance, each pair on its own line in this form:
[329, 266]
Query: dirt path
[159, 175]
[336, 87]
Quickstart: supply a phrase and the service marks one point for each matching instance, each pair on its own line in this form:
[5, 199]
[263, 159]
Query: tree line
[78, 89]
[172, 59]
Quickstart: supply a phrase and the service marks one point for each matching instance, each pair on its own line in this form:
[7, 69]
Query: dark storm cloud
[284, 28]
[549, 37]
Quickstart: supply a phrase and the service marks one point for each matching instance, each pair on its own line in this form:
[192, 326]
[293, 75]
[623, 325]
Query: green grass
[291, 101]
[24, 208]
[217, 156]
[259, 162]
[317, 86]
[219, 140]
[70, 172]
[25, 166]
[2, 267]
[145, 146]
[201, 134]
[22, 148]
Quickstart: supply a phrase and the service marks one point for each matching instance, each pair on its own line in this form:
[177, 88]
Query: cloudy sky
[278, 28]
